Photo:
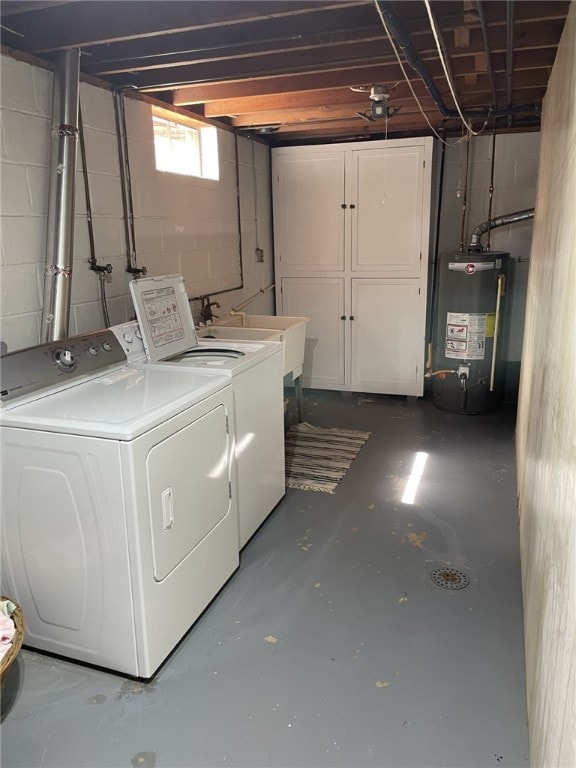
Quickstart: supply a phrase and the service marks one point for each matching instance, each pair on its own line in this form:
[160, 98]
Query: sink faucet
[206, 314]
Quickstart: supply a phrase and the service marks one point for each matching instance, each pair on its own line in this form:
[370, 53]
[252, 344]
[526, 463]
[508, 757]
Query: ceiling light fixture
[379, 107]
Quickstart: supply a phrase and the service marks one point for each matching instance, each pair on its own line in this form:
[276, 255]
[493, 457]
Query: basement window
[184, 148]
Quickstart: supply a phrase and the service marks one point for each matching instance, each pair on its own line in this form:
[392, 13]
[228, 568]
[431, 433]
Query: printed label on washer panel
[162, 316]
[465, 335]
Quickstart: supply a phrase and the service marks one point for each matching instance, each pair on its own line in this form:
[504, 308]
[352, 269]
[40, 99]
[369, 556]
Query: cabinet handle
[352, 205]
[342, 317]
[343, 205]
[351, 317]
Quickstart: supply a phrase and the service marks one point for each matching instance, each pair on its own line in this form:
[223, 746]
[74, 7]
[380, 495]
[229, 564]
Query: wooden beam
[362, 42]
[359, 124]
[481, 62]
[199, 94]
[260, 33]
[305, 99]
[462, 37]
[469, 11]
[11, 9]
[343, 54]
[84, 24]
[324, 113]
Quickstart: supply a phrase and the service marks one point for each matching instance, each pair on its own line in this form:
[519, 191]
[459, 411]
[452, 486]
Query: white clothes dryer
[168, 336]
[119, 524]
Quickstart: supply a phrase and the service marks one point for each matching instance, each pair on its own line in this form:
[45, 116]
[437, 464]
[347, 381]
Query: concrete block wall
[25, 155]
[182, 225]
[515, 179]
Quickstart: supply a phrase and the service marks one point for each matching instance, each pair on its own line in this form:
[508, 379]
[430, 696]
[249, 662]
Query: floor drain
[450, 578]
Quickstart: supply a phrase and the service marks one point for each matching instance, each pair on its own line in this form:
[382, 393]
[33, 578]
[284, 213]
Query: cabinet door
[322, 300]
[308, 215]
[387, 336]
[388, 221]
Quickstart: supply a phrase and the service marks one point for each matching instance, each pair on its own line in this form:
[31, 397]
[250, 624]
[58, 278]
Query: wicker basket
[8, 658]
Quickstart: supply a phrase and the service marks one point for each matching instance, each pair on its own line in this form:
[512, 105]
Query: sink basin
[238, 334]
[292, 332]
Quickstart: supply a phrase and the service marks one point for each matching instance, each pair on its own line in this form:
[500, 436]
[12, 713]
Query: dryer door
[188, 488]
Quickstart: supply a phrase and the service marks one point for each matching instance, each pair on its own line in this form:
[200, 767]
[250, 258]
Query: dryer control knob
[106, 346]
[64, 359]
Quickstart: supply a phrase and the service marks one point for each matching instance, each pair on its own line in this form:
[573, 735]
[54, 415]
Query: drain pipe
[60, 228]
[498, 221]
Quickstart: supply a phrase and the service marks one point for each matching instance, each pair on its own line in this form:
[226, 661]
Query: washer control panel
[130, 339]
[56, 364]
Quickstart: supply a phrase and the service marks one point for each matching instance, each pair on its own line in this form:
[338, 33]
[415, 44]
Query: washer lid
[164, 315]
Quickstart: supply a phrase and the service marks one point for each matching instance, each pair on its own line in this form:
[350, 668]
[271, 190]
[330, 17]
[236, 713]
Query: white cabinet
[309, 221]
[324, 301]
[351, 227]
[386, 223]
[385, 338]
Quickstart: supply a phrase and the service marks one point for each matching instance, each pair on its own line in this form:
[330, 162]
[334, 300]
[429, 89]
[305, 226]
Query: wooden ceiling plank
[259, 32]
[83, 24]
[279, 101]
[461, 37]
[300, 100]
[321, 59]
[342, 55]
[525, 12]
[366, 41]
[358, 122]
[338, 78]
[327, 112]
[481, 62]
[13, 8]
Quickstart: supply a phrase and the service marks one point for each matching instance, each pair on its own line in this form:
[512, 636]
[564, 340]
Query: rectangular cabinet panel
[387, 336]
[322, 300]
[387, 192]
[308, 215]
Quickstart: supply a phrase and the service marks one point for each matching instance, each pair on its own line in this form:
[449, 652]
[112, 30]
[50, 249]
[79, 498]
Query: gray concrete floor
[331, 645]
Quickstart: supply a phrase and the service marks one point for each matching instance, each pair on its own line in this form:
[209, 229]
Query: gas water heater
[466, 361]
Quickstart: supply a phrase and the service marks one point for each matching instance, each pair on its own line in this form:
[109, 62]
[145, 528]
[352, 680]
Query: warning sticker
[162, 316]
[466, 335]
[490, 325]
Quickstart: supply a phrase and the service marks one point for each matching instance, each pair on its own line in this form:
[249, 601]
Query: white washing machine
[169, 339]
[119, 524]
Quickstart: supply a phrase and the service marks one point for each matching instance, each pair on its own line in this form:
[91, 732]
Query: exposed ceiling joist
[290, 63]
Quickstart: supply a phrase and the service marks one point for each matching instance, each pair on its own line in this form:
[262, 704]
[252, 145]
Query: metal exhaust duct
[60, 229]
[498, 221]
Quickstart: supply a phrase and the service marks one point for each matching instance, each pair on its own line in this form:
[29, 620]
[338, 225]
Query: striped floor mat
[317, 459]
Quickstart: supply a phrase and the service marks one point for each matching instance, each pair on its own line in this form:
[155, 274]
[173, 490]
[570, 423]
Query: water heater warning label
[465, 336]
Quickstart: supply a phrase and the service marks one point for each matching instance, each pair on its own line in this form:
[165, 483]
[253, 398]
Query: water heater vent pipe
[498, 221]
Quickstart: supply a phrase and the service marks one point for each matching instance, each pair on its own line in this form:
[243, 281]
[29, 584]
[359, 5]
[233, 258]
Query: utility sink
[238, 334]
[290, 330]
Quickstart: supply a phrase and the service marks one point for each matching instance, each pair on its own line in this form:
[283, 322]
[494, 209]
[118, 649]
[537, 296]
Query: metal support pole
[60, 229]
